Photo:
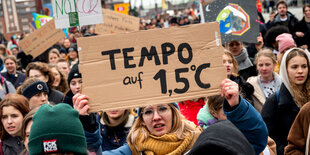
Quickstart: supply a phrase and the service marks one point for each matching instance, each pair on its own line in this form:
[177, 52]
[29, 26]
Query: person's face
[75, 85]
[73, 55]
[26, 138]
[38, 100]
[33, 73]
[2, 52]
[15, 51]
[235, 47]
[157, 119]
[12, 120]
[307, 12]
[228, 63]
[10, 66]
[53, 58]
[63, 68]
[67, 43]
[297, 70]
[57, 77]
[282, 10]
[115, 114]
[265, 67]
[63, 55]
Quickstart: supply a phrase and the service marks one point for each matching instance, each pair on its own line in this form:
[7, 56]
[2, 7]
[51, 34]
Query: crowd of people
[262, 109]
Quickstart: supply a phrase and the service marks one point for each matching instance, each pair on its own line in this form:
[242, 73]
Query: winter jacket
[258, 96]
[302, 27]
[298, 134]
[255, 130]
[279, 115]
[190, 109]
[16, 79]
[12, 145]
[68, 98]
[105, 137]
[7, 88]
[292, 22]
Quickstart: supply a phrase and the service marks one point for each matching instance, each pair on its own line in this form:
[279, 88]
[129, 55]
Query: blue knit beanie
[174, 104]
[35, 88]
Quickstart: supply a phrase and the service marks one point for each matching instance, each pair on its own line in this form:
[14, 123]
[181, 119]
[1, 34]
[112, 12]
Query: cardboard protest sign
[115, 22]
[70, 13]
[40, 40]
[151, 67]
[237, 19]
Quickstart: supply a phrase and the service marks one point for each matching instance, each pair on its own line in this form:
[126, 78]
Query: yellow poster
[122, 8]
[164, 4]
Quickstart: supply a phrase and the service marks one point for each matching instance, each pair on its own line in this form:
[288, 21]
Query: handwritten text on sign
[40, 40]
[151, 67]
[89, 12]
[115, 22]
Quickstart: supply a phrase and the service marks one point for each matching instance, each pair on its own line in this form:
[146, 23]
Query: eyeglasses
[148, 113]
[234, 44]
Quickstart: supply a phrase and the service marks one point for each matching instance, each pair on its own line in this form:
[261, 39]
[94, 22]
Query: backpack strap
[278, 94]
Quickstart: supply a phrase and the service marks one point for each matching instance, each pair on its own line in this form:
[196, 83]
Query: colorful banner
[122, 8]
[40, 20]
[237, 19]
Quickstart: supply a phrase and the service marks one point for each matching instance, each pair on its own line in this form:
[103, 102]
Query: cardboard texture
[115, 22]
[40, 40]
[121, 80]
[86, 12]
[237, 19]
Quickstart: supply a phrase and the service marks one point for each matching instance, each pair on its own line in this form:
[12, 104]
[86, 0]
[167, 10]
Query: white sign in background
[89, 12]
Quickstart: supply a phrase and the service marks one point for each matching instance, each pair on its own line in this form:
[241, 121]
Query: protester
[246, 67]
[158, 129]
[13, 109]
[63, 66]
[222, 138]
[217, 107]
[57, 129]
[27, 123]
[75, 84]
[3, 51]
[53, 56]
[6, 88]
[281, 108]
[303, 30]
[67, 45]
[60, 82]
[267, 82]
[231, 64]
[36, 91]
[42, 72]
[271, 35]
[73, 55]
[299, 135]
[285, 42]
[12, 75]
[284, 17]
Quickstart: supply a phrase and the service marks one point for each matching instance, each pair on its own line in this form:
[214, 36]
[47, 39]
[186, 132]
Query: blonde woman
[267, 82]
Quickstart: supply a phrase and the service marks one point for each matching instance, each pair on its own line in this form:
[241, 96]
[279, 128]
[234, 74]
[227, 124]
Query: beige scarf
[168, 144]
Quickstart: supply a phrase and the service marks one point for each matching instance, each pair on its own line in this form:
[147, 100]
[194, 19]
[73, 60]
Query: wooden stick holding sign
[151, 67]
[40, 40]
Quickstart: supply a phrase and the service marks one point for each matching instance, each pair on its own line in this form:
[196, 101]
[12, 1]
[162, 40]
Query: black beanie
[74, 73]
[222, 137]
[35, 88]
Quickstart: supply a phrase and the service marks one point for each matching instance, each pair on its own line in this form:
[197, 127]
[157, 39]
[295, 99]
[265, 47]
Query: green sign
[74, 19]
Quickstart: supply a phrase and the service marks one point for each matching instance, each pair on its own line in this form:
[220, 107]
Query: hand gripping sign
[151, 67]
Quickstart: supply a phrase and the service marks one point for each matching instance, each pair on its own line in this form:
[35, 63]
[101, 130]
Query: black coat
[302, 27]
[55, 96]
[292, 22]
[248, 72]
[17, 80]
[279, 116]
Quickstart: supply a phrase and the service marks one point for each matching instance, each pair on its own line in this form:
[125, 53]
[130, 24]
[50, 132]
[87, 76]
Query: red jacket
[191, 108]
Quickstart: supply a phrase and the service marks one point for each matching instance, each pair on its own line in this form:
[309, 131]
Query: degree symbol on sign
[207, 8]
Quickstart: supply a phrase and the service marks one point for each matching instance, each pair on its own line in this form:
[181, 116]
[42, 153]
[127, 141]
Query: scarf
[168, 144]
[121, 122]
[243, 60]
